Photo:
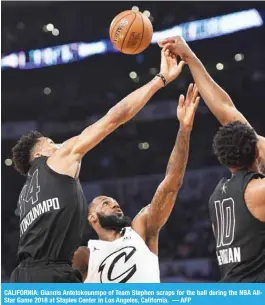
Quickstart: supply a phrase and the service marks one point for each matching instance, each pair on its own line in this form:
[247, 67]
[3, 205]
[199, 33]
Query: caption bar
[133, 294]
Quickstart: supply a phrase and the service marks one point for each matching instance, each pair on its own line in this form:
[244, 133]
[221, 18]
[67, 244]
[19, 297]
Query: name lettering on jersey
[37, 211]
[229, 255]
[118, 260]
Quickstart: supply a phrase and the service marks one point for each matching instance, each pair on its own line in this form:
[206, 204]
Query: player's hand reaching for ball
[169, 67]
[177, 46]
[187, 107]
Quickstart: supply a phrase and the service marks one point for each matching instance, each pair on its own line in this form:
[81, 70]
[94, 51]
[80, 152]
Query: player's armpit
[139, 225]
[139, 222]
[226, 113]
[80, 261]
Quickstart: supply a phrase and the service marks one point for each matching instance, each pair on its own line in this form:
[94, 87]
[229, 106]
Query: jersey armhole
[245, 184]
[139, 237]
[62, 176]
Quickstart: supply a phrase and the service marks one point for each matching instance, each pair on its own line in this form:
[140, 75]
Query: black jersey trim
[63, 176]
[246, 181]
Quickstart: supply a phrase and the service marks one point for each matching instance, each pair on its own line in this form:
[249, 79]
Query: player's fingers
[165, 41]
[195, 93]
[197, 101]
[181, 65]
[163, 53]
[181, 100]
[189, 93]
[168, 46]
[174, 60]
[163, 57]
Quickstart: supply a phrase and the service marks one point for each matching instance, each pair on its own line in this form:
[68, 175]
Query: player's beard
[114, 222]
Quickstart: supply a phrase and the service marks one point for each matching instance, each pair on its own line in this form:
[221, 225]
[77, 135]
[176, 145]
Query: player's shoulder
[255, 192]
[66, 147]
[82, 252]
[218, 187]
[144, 209]
[83, 249]
[256, 186]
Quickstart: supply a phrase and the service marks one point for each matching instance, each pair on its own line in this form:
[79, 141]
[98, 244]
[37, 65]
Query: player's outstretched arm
[218, 101]
[127, 108]
[214, 96]
[150, 221]
[74, 149]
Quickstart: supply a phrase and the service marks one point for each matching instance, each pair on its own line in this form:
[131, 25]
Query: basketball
[131, 32]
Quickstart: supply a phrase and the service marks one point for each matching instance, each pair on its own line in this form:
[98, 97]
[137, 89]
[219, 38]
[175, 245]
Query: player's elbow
[118, 115]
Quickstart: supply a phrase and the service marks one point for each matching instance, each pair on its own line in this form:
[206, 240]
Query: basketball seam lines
[142, 36]
[128, 31]
[118, 22]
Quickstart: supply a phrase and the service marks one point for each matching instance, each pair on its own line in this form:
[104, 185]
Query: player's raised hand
[187, 107]
[176, 46]
[170, 68]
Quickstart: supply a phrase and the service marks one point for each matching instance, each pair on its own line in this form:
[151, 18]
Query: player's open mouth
[119, 213]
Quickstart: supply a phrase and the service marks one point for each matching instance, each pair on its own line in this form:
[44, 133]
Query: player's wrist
[187, 128]
[163, 77]
[158, 81]
[189, 56]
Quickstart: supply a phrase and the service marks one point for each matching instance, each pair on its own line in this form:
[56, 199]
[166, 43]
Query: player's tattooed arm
[165, 196]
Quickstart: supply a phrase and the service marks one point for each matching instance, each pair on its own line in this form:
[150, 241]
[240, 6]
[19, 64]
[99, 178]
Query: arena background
[61, 100]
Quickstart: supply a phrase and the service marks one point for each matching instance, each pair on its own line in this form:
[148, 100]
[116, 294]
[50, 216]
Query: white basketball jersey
[124, 260]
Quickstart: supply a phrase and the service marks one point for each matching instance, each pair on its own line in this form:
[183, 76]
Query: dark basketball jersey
[53, 213]
[240, 237]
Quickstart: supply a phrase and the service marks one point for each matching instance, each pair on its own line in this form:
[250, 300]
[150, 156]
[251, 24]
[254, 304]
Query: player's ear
[258, 162]
[257, 159]
[36, 155]
[92, 218]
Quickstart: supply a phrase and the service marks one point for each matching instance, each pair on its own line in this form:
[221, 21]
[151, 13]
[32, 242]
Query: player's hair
[235, 145]
[23, 149]
[92, 203]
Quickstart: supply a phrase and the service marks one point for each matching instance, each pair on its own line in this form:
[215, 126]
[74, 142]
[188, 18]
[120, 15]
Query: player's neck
[236, 169]
[108, 235]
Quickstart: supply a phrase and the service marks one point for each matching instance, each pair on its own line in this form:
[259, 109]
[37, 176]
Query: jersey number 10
[225, 217]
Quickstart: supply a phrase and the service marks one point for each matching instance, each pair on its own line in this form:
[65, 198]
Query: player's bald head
[98, 201]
